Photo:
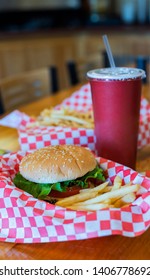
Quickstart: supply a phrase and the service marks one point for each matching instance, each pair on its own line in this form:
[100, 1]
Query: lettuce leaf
[42, 190]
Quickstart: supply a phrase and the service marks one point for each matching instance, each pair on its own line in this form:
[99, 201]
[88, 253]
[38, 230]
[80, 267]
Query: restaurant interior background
[35, 34]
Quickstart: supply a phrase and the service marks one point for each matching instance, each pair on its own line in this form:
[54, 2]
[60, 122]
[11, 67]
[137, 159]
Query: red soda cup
[116, 96]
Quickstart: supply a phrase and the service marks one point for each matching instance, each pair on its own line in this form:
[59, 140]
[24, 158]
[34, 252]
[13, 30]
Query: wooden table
[104, 248]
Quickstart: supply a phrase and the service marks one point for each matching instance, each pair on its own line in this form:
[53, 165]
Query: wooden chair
[73, 73]
[77, 70]
[26, 87]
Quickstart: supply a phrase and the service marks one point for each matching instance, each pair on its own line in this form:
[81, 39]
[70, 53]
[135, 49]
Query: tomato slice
[69, 191]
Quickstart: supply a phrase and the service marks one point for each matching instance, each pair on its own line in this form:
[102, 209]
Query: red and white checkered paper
[24, 219]
[38, 137]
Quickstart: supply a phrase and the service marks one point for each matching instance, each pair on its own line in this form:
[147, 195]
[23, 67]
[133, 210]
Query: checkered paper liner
[38, 137]
[24, 219]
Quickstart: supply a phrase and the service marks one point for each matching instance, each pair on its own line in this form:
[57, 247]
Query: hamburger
[55, 172]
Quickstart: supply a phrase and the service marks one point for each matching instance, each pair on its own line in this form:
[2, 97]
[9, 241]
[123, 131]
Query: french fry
[117, 183]
[108, 201]
[102, 196]
[107, 189]
[127, 184]
[91, 207]
[76, 198]
[125, 200]
[98, 189]
[64, 117]
[111, 195]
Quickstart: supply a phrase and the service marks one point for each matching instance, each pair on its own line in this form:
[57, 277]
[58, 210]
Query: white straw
[108, 50]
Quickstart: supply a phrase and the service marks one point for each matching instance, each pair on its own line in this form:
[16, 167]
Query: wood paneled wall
[28, 53]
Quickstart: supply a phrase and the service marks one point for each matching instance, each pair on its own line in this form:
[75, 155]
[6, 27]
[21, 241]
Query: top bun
[59, 163]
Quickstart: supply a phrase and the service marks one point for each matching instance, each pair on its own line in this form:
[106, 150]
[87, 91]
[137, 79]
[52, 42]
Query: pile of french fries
[102, 196]
[64, 117]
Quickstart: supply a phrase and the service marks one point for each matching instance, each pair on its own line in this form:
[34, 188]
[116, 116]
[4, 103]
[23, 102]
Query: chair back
[77, 70]
[27, 87]
[73, 72]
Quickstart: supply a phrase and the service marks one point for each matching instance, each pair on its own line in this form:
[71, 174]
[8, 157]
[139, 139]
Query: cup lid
[116, 73]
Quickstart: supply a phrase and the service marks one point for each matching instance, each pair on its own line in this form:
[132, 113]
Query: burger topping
[60, 189]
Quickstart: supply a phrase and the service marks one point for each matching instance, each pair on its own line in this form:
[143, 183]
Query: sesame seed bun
[59, 163]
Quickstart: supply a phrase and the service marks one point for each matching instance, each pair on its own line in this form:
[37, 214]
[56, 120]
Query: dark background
[15, 19]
